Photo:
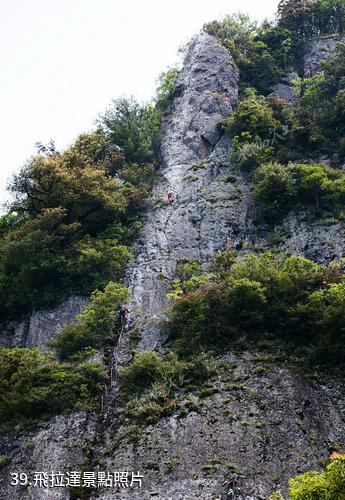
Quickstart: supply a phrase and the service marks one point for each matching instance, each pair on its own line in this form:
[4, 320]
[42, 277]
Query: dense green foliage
[33, 385]
[296, 301]
[188, 276]
[71, 220]
[266, 129]
[280, 188]
[326, 485]
[263, 128]
[97, 324]
[312, 18]
[74, 213]
[263, 53]
[132, 128]
[269, 133]
[152, 386]
[322, 108]
[164, 91]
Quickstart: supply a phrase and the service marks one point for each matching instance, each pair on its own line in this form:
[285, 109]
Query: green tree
[33, 385]
[260, 69]
[215, 313]
[329, 16]
[133, 128]
[297, 16]
[327, 307]
[45, 260]
[275, 191]
[87, 194]
[279, 188]
[312, 182]
[252, 127]
[235, 32]
[145, 369]
[325, 485]
[98, 323]
[252, 117]
[164, 91]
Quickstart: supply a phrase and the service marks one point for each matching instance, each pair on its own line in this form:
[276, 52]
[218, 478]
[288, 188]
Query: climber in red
[171, 197]
[124, 315]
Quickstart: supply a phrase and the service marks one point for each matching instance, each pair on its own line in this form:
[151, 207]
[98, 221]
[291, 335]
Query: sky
[63, 61]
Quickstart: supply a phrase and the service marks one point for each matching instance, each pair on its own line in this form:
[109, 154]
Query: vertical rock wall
[211, 199]
[42, 326]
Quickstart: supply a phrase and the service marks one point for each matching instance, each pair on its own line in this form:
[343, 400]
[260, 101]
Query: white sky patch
[63, 61]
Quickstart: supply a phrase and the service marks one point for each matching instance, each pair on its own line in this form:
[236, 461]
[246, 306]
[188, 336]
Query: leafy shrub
[152, 385]
[142, 372]
[276, 496]
[275, 191]
[321, 108]
[235, 32]
[278, 188]
[261, 129]
[164, 91]
[33, 385]
[188, 277]
[187, 270]
[294, 300]
[133, 128]
[251, 127]
[327, 307]
[324, 485]
[262, 53]
[4, 460]
[211, 315]
[74, 213]
[222, 261]
[260, 70]
[98, 322]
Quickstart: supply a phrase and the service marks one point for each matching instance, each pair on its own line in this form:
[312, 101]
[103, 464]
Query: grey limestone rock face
[285, 89]
[260, 427]
[318, 51]
[42, 326]
[61, 445]
[321, 240]
[211, 200]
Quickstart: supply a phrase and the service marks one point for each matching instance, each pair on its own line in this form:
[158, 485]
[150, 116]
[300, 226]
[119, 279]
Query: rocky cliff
[263, 423]
[42, 326]
[195, 164]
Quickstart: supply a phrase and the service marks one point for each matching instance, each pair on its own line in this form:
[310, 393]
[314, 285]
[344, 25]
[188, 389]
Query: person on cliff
[229, 246]
[171, 197]
[124, 315]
